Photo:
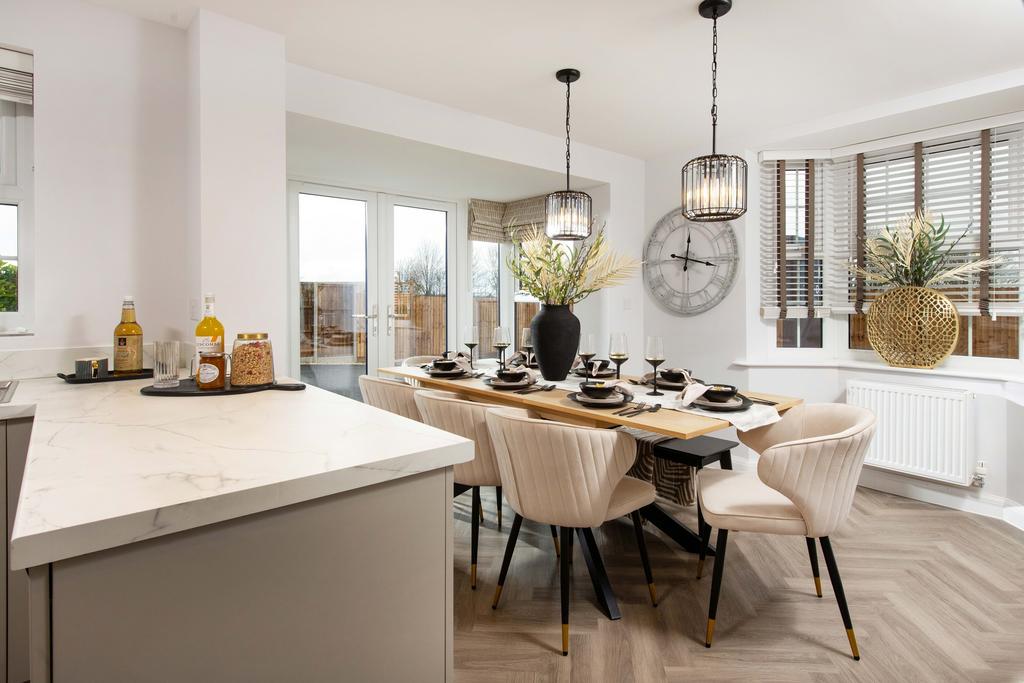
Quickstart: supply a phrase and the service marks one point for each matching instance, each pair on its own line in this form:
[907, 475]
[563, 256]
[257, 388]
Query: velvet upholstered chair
[570, 477]
[390, 395]
[807, 474]
[445, 410]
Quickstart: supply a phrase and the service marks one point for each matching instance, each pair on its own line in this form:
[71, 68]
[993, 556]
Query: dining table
[555, 404]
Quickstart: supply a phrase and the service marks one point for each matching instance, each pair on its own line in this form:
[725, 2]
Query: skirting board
[972, 500]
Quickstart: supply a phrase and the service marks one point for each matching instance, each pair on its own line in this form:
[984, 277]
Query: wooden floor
[935, 595]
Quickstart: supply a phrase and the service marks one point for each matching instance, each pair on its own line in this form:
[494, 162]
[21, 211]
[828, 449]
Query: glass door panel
[335, 328]
[419, 311]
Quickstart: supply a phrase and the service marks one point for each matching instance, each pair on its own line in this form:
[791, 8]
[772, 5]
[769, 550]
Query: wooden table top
[554, 404]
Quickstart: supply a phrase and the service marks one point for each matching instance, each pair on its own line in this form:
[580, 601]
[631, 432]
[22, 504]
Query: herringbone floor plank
[935, 595]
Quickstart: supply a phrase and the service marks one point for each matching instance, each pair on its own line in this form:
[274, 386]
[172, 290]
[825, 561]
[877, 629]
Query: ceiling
[645, 64]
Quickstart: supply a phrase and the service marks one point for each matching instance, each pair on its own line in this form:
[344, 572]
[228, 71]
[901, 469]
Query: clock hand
[686, 256]
[687, 260]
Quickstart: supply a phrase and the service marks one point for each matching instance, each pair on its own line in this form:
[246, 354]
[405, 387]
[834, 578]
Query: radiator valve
[979, 474]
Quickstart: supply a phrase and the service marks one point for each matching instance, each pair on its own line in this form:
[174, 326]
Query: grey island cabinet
[275, 536]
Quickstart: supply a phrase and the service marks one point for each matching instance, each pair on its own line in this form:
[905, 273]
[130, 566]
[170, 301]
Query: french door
[371, 282]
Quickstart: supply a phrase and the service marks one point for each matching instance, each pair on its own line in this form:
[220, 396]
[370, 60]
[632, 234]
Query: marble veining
[107, 466]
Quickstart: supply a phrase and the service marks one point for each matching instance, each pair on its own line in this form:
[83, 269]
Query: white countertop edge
[59, 544]
[866, 366]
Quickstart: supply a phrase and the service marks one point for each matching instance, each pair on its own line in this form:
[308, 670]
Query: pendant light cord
[567, 139]
[714, 80]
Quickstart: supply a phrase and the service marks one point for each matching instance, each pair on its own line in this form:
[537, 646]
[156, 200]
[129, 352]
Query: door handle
[368, 318]
[391, 320]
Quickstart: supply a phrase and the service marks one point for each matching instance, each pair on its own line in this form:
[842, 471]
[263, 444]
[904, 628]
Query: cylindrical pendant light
[568, 212]
[714, 185]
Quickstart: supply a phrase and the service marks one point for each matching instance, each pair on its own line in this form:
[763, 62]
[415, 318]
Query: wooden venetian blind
[792, 239]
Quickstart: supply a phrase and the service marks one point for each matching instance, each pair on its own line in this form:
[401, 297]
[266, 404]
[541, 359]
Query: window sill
[867, 366]
[17, 333]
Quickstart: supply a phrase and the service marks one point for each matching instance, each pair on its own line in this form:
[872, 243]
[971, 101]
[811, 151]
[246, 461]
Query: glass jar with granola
[252, 360]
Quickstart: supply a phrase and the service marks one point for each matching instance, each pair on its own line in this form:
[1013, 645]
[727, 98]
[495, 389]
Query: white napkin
[753, 417]
[691, 393]
[462, 363]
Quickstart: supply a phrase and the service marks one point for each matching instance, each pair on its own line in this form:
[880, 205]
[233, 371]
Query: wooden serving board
[188, 387]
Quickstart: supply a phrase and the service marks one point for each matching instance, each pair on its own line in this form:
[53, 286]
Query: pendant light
[568, 215]
[715, 185]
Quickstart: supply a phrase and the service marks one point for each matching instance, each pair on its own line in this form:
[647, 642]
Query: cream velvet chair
[446, 411]
[390, 395]
[804, 485]
[416, 361]
[570, 477]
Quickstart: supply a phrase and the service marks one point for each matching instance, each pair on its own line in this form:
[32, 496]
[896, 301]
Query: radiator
[921, 431]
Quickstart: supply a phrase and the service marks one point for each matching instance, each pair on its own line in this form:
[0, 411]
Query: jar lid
[252, 335]
[211, 354]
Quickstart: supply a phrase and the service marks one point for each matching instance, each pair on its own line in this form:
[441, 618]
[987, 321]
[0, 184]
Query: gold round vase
[913, 327]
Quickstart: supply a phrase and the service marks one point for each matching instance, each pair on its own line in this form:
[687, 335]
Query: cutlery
[763, 401]
[630, 407]
[642, 409]
[530, 390]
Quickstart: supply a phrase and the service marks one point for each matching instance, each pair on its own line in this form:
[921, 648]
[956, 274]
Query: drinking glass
[502, 340]
[526, 344]
[472, 337]
[618, 351]
[588, 349]
[166, 363]
[654, 353]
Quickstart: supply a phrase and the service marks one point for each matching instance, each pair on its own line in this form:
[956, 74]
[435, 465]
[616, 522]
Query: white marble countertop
[107, 466]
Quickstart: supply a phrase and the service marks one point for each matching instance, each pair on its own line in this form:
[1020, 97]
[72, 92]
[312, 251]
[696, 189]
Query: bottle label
[210, 344]
[208, 373]
[127, 353]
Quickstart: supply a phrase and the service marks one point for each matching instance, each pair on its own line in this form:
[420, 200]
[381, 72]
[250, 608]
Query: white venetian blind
[15, 76]
[1006, 217]
[792, 244]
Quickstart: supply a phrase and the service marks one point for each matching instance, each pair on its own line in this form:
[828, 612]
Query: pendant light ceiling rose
[568, 212]
[710, 9]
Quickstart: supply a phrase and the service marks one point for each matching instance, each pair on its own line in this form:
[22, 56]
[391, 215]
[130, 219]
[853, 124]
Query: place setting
[451, 366]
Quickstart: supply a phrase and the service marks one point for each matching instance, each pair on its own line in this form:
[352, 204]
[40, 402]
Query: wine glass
[526, 344]
[654, 353]
[618, 351]
[472, 337]
[588, 349]
[502, 340]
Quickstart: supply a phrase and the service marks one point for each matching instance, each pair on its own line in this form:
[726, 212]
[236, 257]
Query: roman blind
[505, 221]
[792, 239]
[975, 181]
[485, 221]
[15, 76]
[523, 216]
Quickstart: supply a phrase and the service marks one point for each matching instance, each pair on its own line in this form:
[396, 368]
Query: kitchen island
[274, 536]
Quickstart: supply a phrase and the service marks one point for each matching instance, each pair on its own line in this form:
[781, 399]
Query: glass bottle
[209, 331]
[128, 340]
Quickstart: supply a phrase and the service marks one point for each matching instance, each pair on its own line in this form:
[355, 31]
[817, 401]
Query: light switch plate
[195, 309]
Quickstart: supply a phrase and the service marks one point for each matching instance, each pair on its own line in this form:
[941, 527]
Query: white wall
[237, 197]
[109, 170]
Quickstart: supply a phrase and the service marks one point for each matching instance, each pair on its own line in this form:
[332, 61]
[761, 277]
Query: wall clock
[690, 267]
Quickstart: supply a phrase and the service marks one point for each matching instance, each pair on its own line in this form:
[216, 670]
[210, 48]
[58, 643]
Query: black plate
[144, 373]
[188, 387]
[726, 409]
[447, 374]
[501, 386]
[600, 374]
[574, 397]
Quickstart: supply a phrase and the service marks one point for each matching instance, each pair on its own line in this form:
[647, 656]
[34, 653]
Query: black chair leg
[497, 491]
[474, 536]
[566, 576]
[554, 537]
[812, 552]
[837, 588]
[641, 543]
[704, 531]
[510, 547]
[716, 584]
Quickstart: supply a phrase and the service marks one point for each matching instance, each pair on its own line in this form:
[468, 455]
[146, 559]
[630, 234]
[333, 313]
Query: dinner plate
[600, 374]
[610, 402]
[496, 383]
[736, 404]
[446, 373]
[648, 379]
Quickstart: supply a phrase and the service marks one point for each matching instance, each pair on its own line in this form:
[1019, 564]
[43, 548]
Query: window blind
[792, 239]
[15, 76]
[974, 181]
[485, 221]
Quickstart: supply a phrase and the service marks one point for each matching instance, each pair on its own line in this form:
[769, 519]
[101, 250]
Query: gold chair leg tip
[709, 635]
[654, 594]
[853, 644]
[472, 576]
[700, 568]
[817, 585]
[497, 596]
[565, 639]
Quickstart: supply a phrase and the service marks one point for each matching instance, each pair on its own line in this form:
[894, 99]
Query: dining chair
[570, 477]
[807, 473]
[390, 395]
[416, 361]
[449, 412]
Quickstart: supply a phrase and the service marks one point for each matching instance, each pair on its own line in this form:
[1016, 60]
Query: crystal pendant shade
[715, 188]
[568, 215]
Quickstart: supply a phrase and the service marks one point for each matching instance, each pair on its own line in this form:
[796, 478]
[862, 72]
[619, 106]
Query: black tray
[145, 373]
[188, 388]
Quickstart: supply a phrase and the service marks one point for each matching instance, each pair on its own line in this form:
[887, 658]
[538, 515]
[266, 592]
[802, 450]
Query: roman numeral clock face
[690, 267]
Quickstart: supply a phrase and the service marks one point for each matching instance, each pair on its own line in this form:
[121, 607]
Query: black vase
[556, 337]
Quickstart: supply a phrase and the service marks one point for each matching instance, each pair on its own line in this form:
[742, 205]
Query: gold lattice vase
[913, 327]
